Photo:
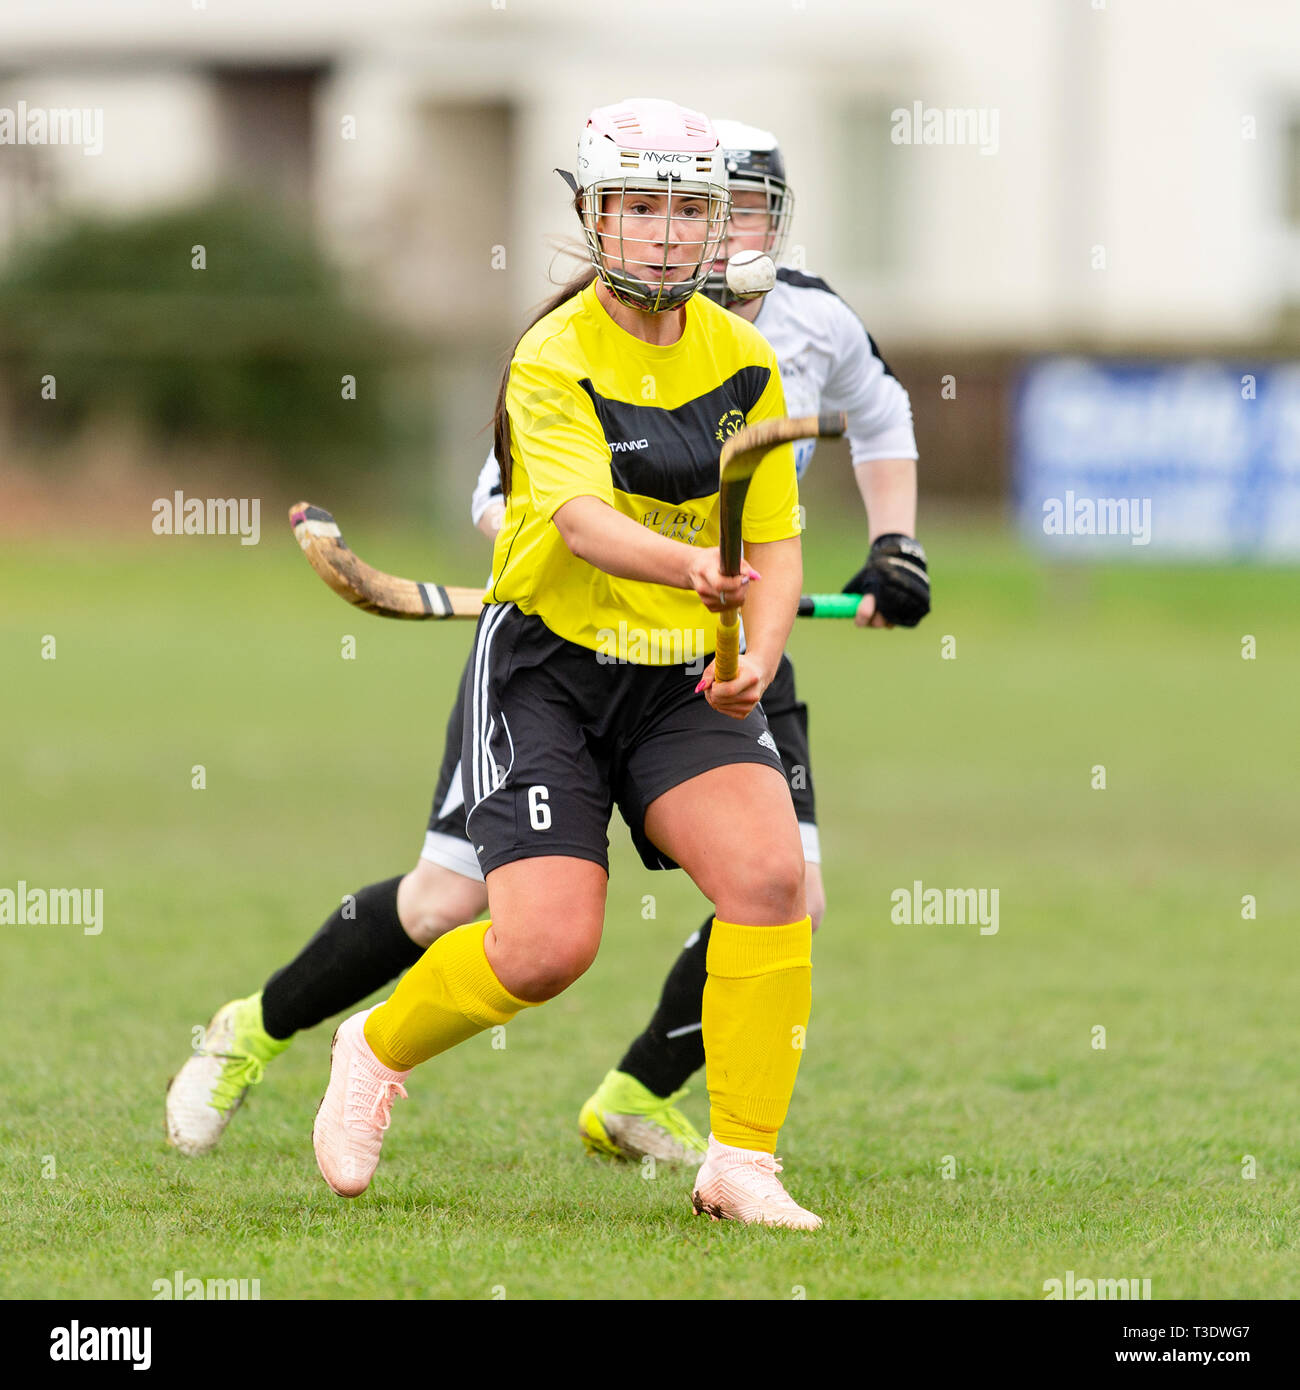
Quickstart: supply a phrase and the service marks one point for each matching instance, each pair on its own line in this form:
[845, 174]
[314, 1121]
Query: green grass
[1119, 908]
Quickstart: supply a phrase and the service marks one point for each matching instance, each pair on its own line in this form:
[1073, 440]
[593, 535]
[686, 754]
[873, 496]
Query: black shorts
[555, 737]
[446, 841]
[787, 717]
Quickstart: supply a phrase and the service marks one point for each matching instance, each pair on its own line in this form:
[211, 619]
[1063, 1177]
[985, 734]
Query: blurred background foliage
[249, 352]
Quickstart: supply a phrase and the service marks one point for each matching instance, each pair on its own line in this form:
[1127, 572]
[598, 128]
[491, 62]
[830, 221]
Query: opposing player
[828, 359]
[828, 362]
[564, 723]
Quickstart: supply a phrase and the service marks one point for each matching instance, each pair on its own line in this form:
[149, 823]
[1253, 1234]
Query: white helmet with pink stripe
[653, 200]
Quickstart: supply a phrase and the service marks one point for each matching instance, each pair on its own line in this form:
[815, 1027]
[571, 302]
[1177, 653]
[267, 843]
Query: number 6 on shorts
[539, 812]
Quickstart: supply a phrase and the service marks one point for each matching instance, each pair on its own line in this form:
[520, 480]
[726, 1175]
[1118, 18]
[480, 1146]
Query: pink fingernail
[700, 687]
[754, 575]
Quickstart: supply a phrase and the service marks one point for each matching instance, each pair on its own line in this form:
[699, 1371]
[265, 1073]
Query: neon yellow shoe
[624, 1119]
[210, 1087]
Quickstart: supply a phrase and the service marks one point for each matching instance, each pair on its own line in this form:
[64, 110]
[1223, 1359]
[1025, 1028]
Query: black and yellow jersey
[596, 412]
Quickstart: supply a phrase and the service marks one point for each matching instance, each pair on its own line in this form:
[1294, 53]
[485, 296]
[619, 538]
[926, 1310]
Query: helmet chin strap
[644, 296]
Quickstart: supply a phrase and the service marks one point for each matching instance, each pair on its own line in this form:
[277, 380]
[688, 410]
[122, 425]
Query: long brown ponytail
[500, 416]
[575, 286]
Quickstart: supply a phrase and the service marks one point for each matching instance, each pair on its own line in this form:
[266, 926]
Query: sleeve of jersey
[555, 436]
[878, 409]
[772, 504]
[487, 487]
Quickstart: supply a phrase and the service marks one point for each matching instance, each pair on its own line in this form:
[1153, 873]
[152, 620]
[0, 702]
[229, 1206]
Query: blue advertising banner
[1190, 460]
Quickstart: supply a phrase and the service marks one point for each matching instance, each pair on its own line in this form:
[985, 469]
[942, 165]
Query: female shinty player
[827, 361]
[597, 485]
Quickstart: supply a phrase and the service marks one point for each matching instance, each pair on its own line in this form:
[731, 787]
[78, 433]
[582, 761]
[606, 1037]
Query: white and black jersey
[487, 487]
[828, 361]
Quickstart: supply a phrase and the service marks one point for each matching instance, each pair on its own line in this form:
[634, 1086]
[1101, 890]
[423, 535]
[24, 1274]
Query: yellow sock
[756, 1003]
[448, 995]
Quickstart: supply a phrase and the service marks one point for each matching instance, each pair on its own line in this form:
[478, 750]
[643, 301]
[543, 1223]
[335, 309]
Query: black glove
[896, 574]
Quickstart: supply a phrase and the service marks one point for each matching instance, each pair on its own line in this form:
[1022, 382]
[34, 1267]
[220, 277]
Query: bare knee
[433, 900]
[765, 891]
[537, 965]
[547, 915]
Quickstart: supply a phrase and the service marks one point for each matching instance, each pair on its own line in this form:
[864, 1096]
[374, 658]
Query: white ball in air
[750, 273]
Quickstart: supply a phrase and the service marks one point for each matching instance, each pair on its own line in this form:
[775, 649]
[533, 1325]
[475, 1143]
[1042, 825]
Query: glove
[896, 574]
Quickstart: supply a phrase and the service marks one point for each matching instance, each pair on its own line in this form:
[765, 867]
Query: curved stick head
[741, 456]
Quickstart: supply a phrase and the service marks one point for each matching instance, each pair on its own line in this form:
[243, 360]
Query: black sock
[348, 958]
[671, 1049]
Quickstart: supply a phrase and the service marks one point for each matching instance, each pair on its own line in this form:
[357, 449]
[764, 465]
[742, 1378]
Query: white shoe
[355, 1110]
[203, 1096]
[742, 1185]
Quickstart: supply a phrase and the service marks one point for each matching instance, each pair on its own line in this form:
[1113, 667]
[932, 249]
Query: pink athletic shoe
[355, 1110]
[742, 1185]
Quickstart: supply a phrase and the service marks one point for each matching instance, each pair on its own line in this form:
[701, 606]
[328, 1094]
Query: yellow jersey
[596, 412]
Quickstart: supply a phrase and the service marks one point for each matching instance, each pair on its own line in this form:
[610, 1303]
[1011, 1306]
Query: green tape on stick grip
[829, 605]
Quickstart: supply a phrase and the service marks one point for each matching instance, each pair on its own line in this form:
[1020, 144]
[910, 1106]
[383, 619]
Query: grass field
[1119, 907]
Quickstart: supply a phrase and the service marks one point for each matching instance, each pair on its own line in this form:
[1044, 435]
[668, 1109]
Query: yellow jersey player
[583, 690]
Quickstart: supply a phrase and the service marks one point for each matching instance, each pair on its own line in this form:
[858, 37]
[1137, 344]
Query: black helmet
[754, 163]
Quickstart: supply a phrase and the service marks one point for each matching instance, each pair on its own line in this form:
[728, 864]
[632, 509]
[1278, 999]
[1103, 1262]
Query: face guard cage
[780, 210]
[654, 261]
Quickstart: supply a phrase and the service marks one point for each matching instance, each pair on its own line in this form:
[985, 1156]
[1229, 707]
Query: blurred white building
[1164, 132]
[1134, 181]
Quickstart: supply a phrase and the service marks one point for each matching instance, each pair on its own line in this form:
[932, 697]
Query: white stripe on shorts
[481, 733]
[475, 767]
